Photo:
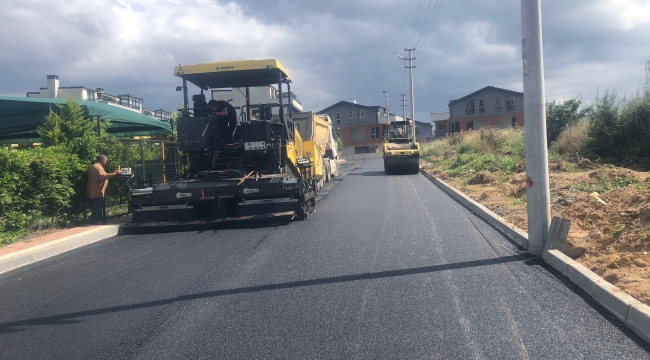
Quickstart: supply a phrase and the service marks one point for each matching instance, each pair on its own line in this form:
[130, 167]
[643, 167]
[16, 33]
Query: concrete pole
[403, 106]
[539, 213]
[387, 108]
[410, 67]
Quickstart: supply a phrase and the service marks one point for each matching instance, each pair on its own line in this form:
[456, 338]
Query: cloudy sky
[334, 49]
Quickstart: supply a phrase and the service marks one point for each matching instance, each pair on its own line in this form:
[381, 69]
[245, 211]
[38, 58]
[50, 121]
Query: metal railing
[155, 161]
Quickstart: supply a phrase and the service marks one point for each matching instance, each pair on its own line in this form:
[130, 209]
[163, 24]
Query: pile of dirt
[483, 177]
[609, 209]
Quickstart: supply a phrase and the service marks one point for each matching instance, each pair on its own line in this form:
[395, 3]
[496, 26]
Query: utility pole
[537, 183]
[410, 66]
[387, 115]
[403, 105]
[387, 108]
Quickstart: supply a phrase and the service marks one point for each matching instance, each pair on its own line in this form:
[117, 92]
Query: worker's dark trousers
[97, 207]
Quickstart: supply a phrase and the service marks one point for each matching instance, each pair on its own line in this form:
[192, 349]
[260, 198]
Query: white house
[126, 101]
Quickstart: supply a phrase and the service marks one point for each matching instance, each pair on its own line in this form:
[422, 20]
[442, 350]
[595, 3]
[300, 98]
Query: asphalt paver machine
[262, 170]
[401, 150]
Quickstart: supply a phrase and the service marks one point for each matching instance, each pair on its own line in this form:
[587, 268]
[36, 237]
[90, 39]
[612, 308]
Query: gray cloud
[335, 50]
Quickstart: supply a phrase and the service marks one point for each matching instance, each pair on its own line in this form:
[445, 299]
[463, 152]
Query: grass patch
[617, 230]
[488, 149]
[604, 185]
[521, 200]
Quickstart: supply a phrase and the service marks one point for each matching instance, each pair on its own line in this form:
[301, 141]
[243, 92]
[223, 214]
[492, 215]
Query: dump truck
[401, 152]
[318, 128]
[262, 170]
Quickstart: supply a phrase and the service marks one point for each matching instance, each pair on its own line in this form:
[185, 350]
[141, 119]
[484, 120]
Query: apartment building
[126, 101]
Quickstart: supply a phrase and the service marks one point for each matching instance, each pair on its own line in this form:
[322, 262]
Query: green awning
[20, 117]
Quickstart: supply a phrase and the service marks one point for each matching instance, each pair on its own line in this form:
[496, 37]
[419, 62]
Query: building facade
[359, 126]
[423, 131]
[126, 101]
[489, 106]
[362, 128]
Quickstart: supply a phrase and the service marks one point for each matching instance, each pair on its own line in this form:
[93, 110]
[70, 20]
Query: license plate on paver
[255, 145]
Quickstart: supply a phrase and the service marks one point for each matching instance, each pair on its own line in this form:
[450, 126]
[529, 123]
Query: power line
[414, 22]
[433, 23]
[427, 20]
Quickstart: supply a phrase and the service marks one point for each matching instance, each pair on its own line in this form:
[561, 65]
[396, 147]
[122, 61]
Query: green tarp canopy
[20, 117]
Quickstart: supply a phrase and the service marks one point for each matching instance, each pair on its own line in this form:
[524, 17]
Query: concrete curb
[632, 312]
[485, 213]
[43, 251]
[624, 307]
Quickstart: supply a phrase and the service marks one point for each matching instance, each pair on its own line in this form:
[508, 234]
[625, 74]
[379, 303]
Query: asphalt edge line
[40, 252]
[483, 212]
[621, 305]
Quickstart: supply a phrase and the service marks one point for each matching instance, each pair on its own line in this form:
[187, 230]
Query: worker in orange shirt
[96, 189]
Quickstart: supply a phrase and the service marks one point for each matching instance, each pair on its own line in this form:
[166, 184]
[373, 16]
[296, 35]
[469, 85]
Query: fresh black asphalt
[388, 267]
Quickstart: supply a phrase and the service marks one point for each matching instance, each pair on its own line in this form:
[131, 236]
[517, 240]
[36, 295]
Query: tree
[605, 129]
[71, 128]
[561, 117]
[622, 129]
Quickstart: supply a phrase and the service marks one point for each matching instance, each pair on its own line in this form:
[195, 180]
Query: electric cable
[414, 23]
[433, 23]
[427, 20]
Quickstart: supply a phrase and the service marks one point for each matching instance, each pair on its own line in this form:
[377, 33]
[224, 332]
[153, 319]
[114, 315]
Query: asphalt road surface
[387, 267]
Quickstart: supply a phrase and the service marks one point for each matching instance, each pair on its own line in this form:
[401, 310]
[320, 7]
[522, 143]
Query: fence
[152, 161]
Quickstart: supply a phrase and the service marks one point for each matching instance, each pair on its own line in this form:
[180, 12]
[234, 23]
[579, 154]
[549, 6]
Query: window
[361, 114]
[497, 104]
[470, 125]
[338, 118]
[454, 126]
[510, 103]
[350, 115]
[417, 130]
[441, 126]
[481, 105]
[469, 107]
[375, 133]
[514, 121]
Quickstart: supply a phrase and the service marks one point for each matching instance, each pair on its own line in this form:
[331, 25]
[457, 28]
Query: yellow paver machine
[262, 170]
[401, 151]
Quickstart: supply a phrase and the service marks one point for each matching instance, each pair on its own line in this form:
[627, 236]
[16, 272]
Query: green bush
[48, 183]
[573, 142]
[39, 182]
[563, 116]
[621, 130]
